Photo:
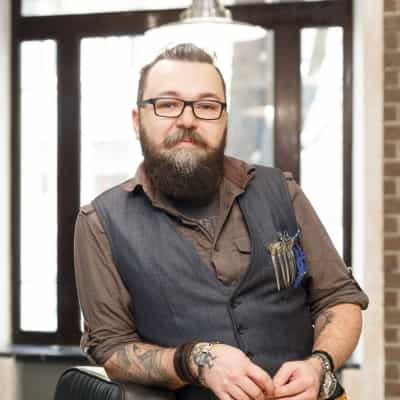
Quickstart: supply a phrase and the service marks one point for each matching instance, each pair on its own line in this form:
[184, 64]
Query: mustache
[184, 134]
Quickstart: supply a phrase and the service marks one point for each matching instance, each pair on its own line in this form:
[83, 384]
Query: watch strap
[329, 383]
[327, 356]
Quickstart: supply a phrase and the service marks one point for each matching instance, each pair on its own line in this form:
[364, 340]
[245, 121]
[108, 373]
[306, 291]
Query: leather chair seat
[92, 383]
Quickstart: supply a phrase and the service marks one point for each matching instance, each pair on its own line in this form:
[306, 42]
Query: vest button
[241, 328]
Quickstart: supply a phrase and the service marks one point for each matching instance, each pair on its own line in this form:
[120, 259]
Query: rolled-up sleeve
[104, 299]
[330, 282]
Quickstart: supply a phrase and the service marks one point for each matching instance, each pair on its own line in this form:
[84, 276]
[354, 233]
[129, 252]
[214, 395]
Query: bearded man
[206, 275]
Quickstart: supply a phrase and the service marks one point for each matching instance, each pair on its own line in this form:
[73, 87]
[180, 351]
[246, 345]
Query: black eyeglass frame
[185, 103]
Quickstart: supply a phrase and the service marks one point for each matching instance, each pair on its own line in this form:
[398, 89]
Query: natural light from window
[38, 186]
[321, 136]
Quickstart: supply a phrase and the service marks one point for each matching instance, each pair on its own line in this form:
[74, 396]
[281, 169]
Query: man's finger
[237, 393]
[261, 379]
[253, 391]
[225, 396]
[301, 396]
[283, 375]
[293, 388]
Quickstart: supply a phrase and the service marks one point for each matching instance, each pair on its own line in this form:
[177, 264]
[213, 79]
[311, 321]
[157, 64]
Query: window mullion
[347, 135]
[68, 66]
[287, 99]
[16, 169]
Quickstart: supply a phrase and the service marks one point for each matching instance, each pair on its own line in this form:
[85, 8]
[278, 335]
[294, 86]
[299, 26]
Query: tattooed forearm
[323, 320]
[145, 364]
[151, 363]
[337, 330]
[124, 362]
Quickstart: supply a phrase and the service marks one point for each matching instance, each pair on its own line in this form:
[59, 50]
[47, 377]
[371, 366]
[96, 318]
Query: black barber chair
[92, 383]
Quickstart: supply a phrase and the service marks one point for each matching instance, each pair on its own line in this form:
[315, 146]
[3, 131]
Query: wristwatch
[328, 378]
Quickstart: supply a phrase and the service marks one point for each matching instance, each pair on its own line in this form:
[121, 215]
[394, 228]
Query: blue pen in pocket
[301, 265]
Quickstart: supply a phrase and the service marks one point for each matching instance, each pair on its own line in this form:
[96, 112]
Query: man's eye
[167, 104]
[207, 106]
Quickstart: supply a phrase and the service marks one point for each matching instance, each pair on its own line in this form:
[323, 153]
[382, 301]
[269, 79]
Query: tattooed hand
[232, 375]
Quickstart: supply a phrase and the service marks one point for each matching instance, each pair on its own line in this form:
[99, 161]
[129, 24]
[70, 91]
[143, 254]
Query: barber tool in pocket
[288, 260]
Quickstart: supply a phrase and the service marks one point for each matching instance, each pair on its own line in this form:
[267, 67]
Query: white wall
[368, 383]
[8, 369]
[5, 50]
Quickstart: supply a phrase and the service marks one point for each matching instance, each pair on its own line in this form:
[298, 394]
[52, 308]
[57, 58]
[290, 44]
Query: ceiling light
[203, 22]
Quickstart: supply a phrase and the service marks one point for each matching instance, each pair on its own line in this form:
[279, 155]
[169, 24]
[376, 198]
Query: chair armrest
[92, 383]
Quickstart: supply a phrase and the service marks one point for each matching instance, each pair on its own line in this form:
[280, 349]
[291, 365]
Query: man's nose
[187, 118]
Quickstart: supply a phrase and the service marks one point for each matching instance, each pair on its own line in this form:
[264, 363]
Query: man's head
[183, 143]
[182, 52]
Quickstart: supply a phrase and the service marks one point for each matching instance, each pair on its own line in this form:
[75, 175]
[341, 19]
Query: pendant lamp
[203, 22]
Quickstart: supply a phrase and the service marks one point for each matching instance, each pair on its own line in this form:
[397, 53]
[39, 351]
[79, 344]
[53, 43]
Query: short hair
[182, 52]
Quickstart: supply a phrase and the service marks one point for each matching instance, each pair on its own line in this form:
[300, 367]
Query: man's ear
[135, 120]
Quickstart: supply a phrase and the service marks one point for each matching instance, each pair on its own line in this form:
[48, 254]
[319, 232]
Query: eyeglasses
[171, 107]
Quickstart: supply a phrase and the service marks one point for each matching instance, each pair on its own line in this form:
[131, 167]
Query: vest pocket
[293, 294]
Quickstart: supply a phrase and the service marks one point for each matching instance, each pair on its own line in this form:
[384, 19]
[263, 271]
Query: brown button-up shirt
[222, 241]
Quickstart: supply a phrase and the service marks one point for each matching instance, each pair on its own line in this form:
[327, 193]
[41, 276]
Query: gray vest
[176, 298]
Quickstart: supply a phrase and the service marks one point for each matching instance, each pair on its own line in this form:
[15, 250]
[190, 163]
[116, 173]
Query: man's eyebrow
[173, 93]
[208, 94]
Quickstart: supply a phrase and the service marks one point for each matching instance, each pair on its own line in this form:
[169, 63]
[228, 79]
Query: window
[72, 136]
[321, 136]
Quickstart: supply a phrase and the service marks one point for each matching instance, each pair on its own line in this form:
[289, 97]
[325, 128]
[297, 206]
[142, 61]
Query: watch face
[328, 385]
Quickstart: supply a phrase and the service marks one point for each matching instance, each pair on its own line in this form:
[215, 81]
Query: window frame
[286, 19]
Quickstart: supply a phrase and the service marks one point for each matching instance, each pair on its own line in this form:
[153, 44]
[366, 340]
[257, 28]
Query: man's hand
[298, 380]
[234, 376]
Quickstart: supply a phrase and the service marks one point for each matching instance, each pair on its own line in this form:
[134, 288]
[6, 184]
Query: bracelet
[202, 357]
[181, 362]
[186, 355]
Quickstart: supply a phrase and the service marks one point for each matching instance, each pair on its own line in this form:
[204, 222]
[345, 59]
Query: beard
[184, 174]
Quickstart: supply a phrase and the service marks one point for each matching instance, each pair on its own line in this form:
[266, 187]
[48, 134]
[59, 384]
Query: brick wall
[392, 196]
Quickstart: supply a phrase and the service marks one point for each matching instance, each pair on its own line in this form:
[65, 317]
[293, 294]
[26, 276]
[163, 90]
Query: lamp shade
[203, 22]
[202, 30]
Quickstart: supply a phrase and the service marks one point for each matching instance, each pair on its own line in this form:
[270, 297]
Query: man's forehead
[186, 76]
